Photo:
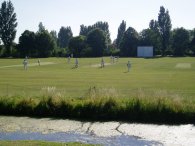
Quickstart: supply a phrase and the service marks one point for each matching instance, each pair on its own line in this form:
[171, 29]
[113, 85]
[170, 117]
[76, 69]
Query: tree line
[94, 40]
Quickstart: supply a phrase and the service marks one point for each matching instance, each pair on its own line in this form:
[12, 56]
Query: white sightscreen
[145, 51]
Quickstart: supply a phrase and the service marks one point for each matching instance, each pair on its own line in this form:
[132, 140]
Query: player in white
[25, 63]
[128, 66]
[102, 63]
[39, 62]
[68, 59]
[76, 63]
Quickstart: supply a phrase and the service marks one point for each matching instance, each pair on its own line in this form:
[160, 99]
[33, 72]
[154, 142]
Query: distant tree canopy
[77, 45]
[93, 40]
[84, 30]
[96, 40]
[192, 42]
[164, 23]
[40, 44]
[121, 31]
[27, 44]
[64, 35]
[45, 44]
[149, 37]
[129, 43]
[8, 25]
[180, 41]
[41, 27]
[53, 34]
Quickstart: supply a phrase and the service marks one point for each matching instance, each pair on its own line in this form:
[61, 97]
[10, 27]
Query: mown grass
[39, 143]
[154, 91]
[146, 74]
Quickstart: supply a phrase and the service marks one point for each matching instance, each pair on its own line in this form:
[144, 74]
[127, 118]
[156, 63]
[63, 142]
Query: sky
[137, 13]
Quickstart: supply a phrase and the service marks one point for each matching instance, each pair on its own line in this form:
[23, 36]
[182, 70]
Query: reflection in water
[122, 140]
[105, 133]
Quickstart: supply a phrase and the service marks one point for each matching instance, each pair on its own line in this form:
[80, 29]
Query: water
[123, 140]
[104, 133]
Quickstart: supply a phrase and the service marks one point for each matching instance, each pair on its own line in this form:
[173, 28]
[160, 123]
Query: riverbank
[150, 133]
[143, 110]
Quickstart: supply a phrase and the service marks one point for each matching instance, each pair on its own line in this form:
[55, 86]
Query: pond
[104, 133]
[122, 140]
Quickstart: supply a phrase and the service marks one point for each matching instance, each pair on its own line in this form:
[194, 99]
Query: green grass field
[158, 90]
[172, 77]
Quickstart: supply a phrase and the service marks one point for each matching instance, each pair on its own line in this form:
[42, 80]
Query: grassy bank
[39, 143]
[145, 110]
[159, 90]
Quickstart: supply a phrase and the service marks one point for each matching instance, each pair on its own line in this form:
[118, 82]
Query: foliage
[153, 25]
[64, 35]
[45, 44]
[54, 36]
[113, 50]
[192, 43]
[27, 44]
[180, 41]
[41, 27]
[149, 37]
[128, 45]
[77, 45]
[96, 40]
[164, 23]
[40, 44]
[121, 31]
[61, 52]
[84, 30]
[8, 25]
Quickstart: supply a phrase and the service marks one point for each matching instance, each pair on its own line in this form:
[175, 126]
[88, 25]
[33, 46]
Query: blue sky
[137, 13]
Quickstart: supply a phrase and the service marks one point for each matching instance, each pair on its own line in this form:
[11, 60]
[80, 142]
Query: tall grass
[95, 106]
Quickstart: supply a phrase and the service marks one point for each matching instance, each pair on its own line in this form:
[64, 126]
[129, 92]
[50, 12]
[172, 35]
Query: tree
[121, 31]
[105, 27]
[41, 27]
[77, 45]
[180, 41]
[164, 23]
[84, 30]
[64, 35]
[153, 25]
[8, 25]
[96, 40]
[53, 34]
[149, 37]
[154, 36]
[45, 44]
[27, 44]
[128, 45]
[192, 42]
